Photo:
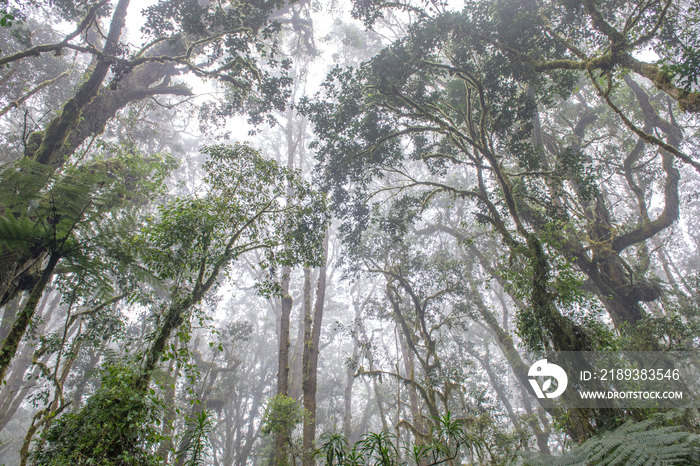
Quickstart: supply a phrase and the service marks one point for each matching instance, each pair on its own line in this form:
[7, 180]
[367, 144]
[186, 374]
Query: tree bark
[169, 416]
[9, 316]
[19, 327]
[297, 363]
[312, 338]
[281, 440]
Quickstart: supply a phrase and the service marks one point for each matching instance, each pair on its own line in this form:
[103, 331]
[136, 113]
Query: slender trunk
[541, 435]
[364, 422]
[19, 327]
[14, 392]
[169, 416]
[311, 353]
[350, 373]
[282, 439]
[80, 388]
[412, 395]
[307, 446]
[251, 434]
[231, 448]
[496, 384]
[347, 398]
[8, 317]
[380, 405]
[664, 263]
[297, 364]
[279, 457]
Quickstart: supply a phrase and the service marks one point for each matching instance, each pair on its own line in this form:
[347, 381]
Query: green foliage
[242, 207]
[197, 432]
[6, 19]
[117, 427]
[334, 448]
[282, 415]
[448, 438]
[56, 211]
[379, 449]
[650, 442]
[682, 60]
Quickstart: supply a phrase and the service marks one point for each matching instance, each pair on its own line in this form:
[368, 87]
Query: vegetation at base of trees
[662, 439]
[449, 437]
[117, 426]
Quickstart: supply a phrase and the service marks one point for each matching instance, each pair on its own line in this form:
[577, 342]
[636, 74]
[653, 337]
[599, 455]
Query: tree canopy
[293, 233]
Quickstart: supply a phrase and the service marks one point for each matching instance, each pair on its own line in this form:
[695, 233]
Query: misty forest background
[339, 233]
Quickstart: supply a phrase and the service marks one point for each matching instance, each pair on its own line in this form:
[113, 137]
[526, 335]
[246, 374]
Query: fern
[19, 233]
[645, 443]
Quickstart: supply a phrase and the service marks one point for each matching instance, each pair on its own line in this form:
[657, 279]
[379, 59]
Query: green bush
[118, 426]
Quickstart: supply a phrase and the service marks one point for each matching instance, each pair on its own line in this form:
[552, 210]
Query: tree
[454, 110]
[244, 210]
[553, 36]
[193, 241]
[439, 117]
[182, 32]
[65, 220]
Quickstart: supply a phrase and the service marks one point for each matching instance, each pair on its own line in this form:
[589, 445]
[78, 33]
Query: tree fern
[645, 443]
[19, 233]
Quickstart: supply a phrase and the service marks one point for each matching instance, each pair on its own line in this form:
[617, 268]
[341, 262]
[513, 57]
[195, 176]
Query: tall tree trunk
[311, 352]
[13, 392]
[282, 438]
[380, 405]
[8, 317]
[19, 327]
[169, 416]
[297, 364]
[82, 381]
[541, 435]
[412, 395]
[350, 374]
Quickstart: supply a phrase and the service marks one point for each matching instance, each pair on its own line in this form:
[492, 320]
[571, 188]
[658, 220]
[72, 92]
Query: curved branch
[37, 88]
[651, 139]
[39, 49]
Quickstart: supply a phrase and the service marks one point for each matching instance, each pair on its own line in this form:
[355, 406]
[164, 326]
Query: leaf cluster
[117, 427]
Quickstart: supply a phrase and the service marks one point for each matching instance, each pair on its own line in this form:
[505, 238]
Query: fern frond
[19, 233]
[645, 443]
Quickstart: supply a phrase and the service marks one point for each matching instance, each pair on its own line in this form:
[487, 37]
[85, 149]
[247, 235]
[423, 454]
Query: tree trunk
[350, 374]
[14, 392]
[8, 317]
[412, 395]
[281, 440]
[312, 338]
[297, 363]
[19, 327]
[169, 416]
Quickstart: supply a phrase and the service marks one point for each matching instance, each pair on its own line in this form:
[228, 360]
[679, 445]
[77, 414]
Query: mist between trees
[429, 198]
